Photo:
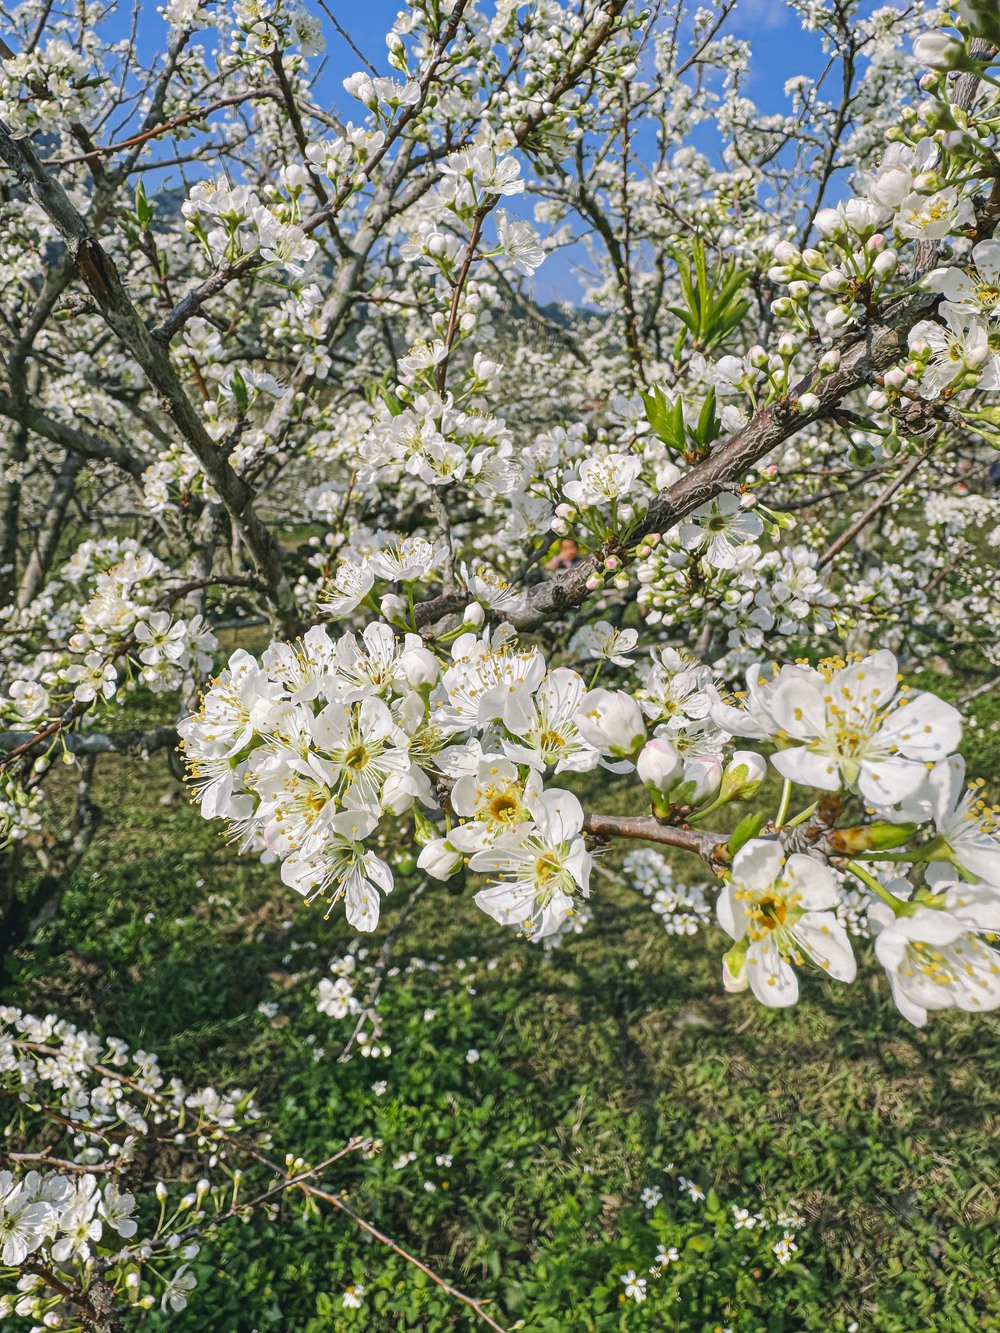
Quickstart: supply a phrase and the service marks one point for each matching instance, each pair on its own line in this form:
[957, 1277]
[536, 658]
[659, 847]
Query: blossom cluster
[71, 1230]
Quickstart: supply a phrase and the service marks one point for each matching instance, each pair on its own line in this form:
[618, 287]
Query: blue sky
[779, 45]
[780, 49]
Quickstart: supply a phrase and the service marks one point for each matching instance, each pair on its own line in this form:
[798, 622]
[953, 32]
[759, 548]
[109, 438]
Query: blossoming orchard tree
[271, 358]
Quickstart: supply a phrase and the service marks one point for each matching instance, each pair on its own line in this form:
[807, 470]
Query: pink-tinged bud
[654, 539]
[659, 766]
[895, 378]
[593, 583]
[876, 243]
[830, 361]
[758, 357]
[788, 345]
[565, 511]
[612, 563]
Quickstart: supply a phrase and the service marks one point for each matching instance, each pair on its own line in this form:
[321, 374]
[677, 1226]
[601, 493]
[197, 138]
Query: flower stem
[786, 797]
[899, 907]
[803, 815]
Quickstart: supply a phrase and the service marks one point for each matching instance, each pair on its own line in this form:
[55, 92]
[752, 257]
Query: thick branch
[648, 829]
[878, 346]
[104, 281]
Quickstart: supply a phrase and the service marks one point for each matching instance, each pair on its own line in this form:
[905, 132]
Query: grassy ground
[615, 1063]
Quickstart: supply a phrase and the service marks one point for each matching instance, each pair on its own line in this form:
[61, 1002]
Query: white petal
[813, 881]
[772, 979]
[801, 765]
[825, 940]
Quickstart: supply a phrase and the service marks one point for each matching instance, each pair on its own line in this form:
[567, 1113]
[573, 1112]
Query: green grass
[595, 1075]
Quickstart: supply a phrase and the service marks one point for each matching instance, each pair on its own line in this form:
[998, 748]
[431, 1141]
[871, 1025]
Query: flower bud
[420, 667]
[834, 280]
[758, 357]
[702, 779]
[886, 264]
[788, 345]
[830, 361]
[440, 859]
[474, 615]
[392, 607]
[879, 836]
[937, 50]
[976, 357]
[785, 253]
[808, 402]
[828, 222]
[659, 765]
[734, 968]
[744, 774]
[611, 721]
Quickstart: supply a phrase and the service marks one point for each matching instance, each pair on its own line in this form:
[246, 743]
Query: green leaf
[143, 208]
[748, 827]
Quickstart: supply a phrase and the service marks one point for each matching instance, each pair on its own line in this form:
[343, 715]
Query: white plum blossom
[933, 956]
[964, 824]
[721, 527]
[541, 864]
[603, 642]
[604, 480]
[519, 242]
[851, 724]
[782, 909]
